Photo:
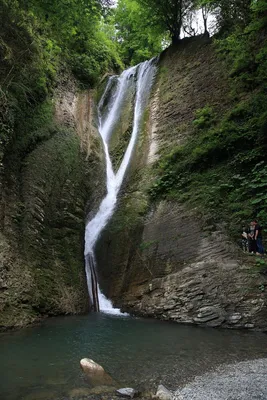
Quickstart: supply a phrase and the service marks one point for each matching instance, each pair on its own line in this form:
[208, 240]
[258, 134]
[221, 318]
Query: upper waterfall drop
[142, 76]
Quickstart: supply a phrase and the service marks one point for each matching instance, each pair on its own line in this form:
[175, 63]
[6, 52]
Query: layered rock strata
[47, 191]
[164, 259]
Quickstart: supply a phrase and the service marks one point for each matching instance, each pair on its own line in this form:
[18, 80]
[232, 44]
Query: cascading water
[142, 76]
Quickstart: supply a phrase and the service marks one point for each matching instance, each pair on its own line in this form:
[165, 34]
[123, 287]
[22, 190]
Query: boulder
[163, 393]
[96, 373]
[91, 367]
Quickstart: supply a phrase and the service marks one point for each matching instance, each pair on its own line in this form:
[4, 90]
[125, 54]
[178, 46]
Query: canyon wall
[165, 258]
[48, 187]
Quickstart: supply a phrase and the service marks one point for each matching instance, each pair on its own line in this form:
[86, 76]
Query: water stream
[142, 77]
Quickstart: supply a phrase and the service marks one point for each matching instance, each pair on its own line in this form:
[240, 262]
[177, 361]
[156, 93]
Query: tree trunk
[175, 38]
[205, 19]
[175, 32]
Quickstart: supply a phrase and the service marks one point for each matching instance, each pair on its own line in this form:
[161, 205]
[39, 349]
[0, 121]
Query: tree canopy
[137, 37]
[73, 29]
[168, 14]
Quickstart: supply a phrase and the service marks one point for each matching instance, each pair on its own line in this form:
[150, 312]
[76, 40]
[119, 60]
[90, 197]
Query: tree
[168, 14]
[138, 39]
[205, 12]
[228, 13]
[75, 28]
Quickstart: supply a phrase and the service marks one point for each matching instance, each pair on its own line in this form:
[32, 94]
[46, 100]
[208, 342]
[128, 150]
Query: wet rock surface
[127, 392]
[242, 381]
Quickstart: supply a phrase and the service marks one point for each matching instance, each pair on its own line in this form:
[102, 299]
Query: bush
[205, 117]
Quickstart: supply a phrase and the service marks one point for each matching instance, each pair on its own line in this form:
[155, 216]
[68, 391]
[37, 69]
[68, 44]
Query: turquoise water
[42, 362]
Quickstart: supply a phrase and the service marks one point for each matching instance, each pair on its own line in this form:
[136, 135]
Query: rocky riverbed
[244, 380]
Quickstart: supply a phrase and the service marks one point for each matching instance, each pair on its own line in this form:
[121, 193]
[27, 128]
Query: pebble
[127, 392]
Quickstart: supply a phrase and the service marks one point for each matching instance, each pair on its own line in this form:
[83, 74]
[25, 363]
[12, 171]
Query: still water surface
[135, 352]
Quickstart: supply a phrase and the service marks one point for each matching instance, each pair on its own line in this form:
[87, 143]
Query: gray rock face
[163, 393]
[211, 316]
[191, 278]
[242, 381]
[127, 392]
[52, 198]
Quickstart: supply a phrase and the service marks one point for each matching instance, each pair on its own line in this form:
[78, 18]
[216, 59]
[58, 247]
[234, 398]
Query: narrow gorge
[163, 257]
[133, 206]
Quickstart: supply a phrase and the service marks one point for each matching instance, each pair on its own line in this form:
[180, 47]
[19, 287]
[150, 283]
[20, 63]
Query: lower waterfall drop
[142, 77]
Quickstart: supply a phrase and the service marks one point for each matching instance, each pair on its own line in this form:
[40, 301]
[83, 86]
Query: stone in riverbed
[96, 373]
[127, 392]
[89, 366]
[163, 393]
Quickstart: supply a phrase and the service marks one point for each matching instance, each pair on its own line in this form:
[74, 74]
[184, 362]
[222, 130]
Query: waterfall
[142, 77]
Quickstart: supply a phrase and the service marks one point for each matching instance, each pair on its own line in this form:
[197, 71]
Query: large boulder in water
[90, 366]
[95, 373]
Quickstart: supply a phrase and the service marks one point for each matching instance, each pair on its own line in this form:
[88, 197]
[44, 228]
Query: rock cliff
[46, 193]
[166, 259]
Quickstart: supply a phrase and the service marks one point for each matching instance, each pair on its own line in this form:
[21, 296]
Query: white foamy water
[142, 76]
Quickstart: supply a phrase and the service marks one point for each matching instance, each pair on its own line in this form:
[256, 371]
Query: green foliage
[205, 117]
[137, 39]
[222, 169]
[37, 41]
[204, 171]
[71, 31]
[100, 57]
[168, 15]
[253, 190]
[228, 14]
